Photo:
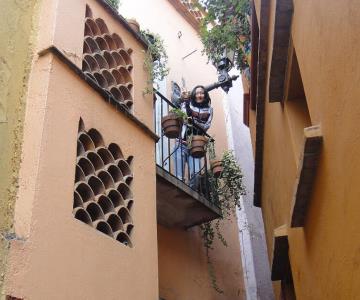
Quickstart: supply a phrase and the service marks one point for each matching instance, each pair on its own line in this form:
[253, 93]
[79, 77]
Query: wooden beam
[246, 109]
[254, 56]
[260, 98]
[282, 33]
[309, 161]
[280, 254]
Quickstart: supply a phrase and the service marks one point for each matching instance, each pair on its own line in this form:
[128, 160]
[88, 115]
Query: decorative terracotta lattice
[193, 9]
[106, 61]
[102, 194]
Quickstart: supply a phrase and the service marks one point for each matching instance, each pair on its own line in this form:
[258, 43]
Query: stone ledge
[280, 254]
[282, 33]
[309, 161]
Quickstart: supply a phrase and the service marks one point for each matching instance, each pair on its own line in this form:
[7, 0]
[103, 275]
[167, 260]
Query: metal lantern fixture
[223, 66]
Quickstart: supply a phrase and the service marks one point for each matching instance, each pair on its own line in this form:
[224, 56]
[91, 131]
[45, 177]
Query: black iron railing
[173, 156]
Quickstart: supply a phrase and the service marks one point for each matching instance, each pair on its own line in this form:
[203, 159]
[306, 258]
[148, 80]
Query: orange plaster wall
[55, 256]
[325, 253]
[63, 258]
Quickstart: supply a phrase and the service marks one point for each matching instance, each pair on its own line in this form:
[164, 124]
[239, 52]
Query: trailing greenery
[226, 193]
[156, 59]
[211, 149]
[114, 3]
[226, 26]
[179, 113]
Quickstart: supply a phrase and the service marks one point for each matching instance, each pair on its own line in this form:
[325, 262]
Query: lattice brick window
[191, 6]
[102, 195]
[106, 61]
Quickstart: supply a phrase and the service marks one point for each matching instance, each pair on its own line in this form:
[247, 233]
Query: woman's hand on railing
[185, 96]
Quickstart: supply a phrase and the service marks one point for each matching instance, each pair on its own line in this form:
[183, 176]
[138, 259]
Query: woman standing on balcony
[199, 111]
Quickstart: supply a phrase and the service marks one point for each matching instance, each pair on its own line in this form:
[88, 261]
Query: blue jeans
[181, 157]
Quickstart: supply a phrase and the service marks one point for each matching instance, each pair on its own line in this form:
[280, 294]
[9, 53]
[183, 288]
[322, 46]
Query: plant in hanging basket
[197, 146]
[216, 167]
[172, 123]
[215, 163]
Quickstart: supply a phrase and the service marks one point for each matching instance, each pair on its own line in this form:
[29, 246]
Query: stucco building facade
[303, 116]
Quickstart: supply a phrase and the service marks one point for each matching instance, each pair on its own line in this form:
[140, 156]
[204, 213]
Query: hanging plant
[225, 192]
[215, 163]
[226, 26]
[172, 123]
[156, 60]
[197, 145]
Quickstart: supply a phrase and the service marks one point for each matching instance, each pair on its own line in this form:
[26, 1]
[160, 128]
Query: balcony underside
[178, 205]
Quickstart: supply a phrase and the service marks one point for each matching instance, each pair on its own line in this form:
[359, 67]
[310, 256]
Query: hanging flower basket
[197, 146]
[171, 125]
[216, 167]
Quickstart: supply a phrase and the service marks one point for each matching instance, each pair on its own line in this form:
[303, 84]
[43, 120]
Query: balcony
[182, 200]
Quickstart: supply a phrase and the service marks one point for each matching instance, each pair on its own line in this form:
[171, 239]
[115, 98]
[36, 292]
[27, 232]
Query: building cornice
[193, 17]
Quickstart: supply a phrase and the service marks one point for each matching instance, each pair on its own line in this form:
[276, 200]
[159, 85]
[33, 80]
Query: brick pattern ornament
[102, 195]
[106, 60]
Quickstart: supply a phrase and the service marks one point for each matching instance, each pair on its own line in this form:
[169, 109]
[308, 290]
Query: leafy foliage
[211, 149]
[226, 27]
[225, 192]
[114, 3]
[179, 113]
[156, 59]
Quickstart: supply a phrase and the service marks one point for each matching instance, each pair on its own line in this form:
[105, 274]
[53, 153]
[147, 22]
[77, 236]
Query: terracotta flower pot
[171, 125]
[197, 147]
[216, 167]
[134, 25]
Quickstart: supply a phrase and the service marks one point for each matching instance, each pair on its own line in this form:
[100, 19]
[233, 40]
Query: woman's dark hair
[207, 100]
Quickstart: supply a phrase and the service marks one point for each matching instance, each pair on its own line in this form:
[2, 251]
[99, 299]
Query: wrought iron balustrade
[172, 155]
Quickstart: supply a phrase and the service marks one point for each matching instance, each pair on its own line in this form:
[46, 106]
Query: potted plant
[172, 123]
[215, 163]
[134, 24]
[197, 145]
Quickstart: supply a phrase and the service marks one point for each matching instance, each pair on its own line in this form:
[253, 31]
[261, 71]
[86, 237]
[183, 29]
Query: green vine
[179, 113]
[226, 193]
[210, 147]
[114, 3]
[226, 26]
[156, 60]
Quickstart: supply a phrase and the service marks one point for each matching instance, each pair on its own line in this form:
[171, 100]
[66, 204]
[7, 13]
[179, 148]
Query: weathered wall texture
[324, 254]
[58, 256]
[183, 272]
[17, 32]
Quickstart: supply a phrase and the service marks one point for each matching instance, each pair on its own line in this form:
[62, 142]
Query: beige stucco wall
[183, 272]
[325, 253]
[56, 256]
[17, 32]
